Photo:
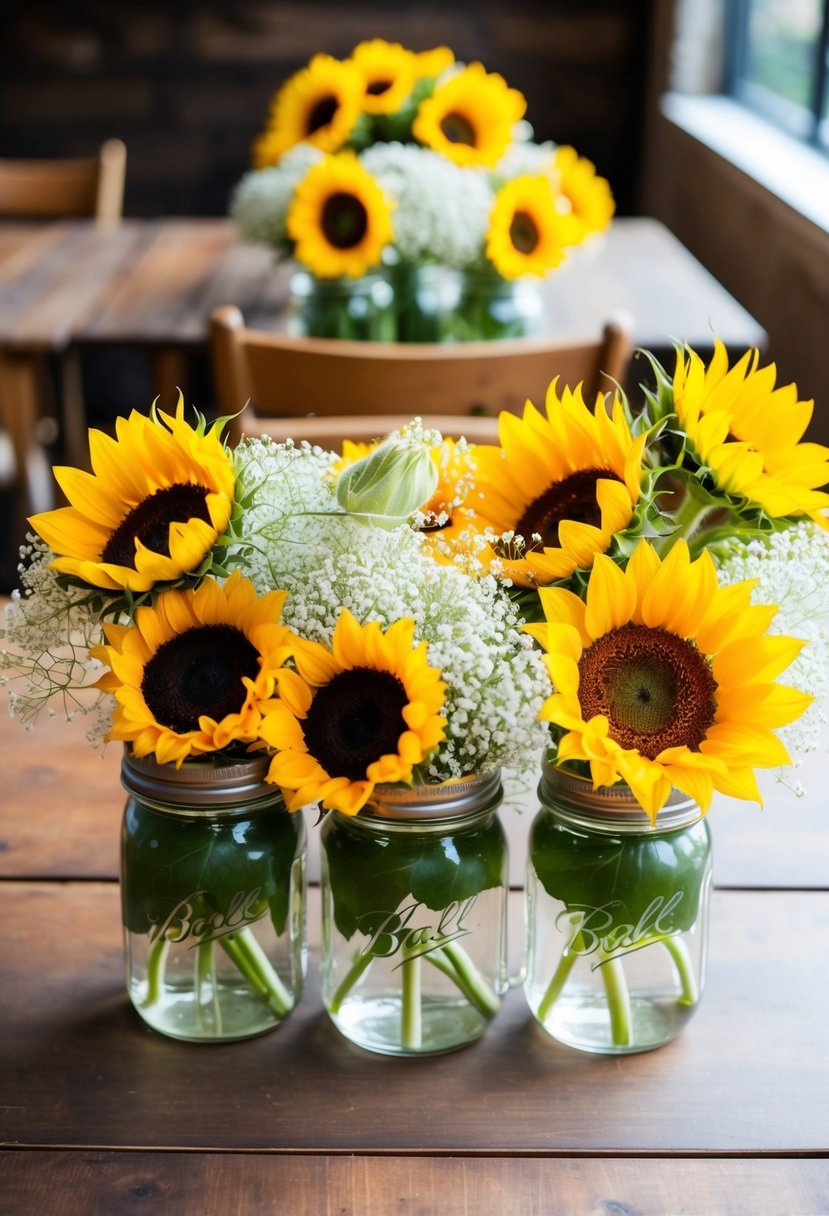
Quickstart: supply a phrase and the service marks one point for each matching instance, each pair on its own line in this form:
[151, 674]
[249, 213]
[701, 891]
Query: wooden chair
[323, 390]
[91, 187]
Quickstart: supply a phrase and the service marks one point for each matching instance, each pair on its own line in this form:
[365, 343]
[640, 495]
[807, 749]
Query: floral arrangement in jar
[268, 606]
[672, 565]
[416, 173]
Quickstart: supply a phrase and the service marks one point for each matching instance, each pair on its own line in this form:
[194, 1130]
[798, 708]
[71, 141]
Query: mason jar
[414, 893]
[426, 299]
[616, 915]
[491, 307]
[358, 309]
[213, 898]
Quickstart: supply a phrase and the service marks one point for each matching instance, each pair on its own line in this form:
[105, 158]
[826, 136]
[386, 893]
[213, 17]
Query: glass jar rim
[198, 785]
[449, 800]
[611, 808]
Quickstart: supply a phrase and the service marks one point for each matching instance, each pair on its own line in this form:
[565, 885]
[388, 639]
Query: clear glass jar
[490, 306]
[616, 915]
[426, 298]
[213, 898]
[414, 917]
[361, 310]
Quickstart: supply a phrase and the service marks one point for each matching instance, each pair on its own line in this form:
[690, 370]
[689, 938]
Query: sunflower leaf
[622, 880]
[184, 870]
[376, 878]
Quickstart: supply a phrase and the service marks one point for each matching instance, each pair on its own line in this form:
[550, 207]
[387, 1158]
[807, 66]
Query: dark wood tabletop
[102, 1115]
[150, 282]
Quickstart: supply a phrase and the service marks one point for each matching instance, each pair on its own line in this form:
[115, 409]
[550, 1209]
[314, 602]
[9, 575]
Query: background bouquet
[423, 170]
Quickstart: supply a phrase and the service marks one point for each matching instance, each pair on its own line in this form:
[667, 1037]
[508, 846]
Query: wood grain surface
[155, 282]
[52, 273]
[269, 1184]
[748, 1074]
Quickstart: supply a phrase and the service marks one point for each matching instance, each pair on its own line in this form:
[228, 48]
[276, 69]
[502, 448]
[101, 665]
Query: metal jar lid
[450, 800]
[610, 807]
[197, 785]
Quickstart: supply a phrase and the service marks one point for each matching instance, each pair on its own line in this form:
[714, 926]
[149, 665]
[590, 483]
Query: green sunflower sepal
[387, 486]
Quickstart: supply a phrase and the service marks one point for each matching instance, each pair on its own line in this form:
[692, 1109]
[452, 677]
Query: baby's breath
[261, 199]
[495, 679]
[792, 570]
[523, 157]
[48, 631]
[441, 210]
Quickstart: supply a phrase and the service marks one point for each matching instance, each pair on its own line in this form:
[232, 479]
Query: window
[778, 63]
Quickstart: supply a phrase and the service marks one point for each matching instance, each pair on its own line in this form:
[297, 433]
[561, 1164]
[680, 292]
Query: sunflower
[748, 433]
[573, 479]
[373, 715]
[339, 218]
[431, 64]
[470, 118]
[388, 74]
[318, 105]
[588, 196]
[194, 671]
[157, 500]
[665, 679]
[527, 233]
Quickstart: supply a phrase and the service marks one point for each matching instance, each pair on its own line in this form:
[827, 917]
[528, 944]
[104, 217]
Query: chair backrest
[93, 186]
[314, 388]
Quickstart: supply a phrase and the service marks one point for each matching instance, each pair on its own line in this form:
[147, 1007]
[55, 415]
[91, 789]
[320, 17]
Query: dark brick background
[186, 85]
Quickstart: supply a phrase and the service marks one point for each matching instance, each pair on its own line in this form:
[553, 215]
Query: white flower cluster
[496, 681]
[260, 201]
[441, 210]
[525, 157]
[50, 630]
[792, 570]
[282, 487]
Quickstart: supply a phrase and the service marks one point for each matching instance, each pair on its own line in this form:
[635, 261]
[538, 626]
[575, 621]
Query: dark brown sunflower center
[321, 113]
[378, 87]
[573, 497]
[655, 688]
[354, 720]
[344, 221]
[199, 672]
[523, 232]
[150, 522]
[458, 129]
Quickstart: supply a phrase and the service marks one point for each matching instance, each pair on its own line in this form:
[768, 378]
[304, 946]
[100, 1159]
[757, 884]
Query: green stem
[360, 964]
[618, 1002]
[410, 1011]
[156, 968]
[245, 951]
[455, 963]
[207, 992]
[682, 961]
[561, 975]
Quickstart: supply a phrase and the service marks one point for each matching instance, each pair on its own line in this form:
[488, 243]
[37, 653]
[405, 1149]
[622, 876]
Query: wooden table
[152, 284]
[102, 1115]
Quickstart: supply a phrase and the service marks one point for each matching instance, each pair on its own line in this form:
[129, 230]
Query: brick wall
[186, 85]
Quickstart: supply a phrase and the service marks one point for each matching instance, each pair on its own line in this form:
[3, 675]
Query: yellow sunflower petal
[611, 598]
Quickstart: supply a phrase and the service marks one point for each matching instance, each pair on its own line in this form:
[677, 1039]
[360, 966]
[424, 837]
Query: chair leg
[20, 376]
[73, 411]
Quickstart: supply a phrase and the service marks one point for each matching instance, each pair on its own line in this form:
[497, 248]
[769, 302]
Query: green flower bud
[385, 487]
